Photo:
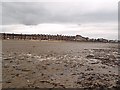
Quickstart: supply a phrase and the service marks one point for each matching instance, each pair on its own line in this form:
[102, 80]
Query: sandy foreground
[47, 64]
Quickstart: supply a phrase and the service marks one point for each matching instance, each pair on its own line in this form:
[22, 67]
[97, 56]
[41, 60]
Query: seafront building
[79, 38]
[7, 36]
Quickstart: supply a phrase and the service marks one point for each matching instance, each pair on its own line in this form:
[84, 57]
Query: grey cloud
[22, 13]
[46, 12]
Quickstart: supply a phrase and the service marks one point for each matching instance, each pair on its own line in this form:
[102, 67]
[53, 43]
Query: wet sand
[49, 64]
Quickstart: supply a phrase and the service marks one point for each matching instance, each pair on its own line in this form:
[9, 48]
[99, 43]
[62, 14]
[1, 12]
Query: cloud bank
[95, 18]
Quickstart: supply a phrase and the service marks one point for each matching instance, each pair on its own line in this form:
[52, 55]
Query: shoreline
[61, 41]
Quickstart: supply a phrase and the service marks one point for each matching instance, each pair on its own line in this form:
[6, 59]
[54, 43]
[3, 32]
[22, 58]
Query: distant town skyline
[89, 18]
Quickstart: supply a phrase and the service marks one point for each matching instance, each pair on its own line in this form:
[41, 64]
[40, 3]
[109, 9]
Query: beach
[59, 64]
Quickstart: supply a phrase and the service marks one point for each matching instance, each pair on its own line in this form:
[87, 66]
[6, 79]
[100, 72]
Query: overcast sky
[89, 18]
